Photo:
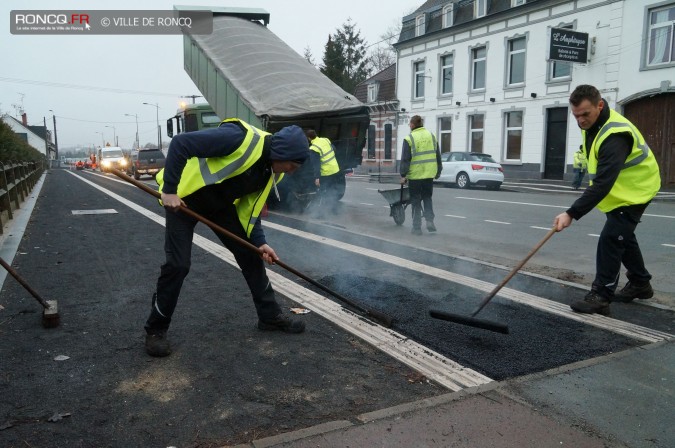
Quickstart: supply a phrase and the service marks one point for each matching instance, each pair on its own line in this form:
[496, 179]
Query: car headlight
[123, 162]
[105, 163]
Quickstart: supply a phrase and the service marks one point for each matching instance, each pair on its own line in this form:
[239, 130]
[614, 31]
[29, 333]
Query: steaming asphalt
[391, 276]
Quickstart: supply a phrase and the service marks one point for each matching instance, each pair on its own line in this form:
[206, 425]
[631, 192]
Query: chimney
[24, 119]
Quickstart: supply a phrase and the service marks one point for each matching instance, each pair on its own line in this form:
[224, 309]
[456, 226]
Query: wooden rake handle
[514, 271]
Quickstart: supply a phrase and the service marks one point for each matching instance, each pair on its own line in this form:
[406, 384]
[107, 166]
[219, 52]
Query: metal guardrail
[17, 180]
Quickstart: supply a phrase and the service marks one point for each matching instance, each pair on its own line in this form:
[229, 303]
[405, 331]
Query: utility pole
[192, 96]
[56, 138]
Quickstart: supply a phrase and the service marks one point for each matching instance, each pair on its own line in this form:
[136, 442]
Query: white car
[471, 168]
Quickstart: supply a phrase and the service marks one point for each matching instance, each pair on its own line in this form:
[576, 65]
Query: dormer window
[447, 15]
[419, 25]
[480, 6]
[372, 92]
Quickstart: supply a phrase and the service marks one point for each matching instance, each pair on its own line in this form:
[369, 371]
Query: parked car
[471, 168]
[146, 161]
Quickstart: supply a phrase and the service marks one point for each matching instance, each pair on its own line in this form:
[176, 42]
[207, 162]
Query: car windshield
[482, 158]
[111, 153]
[145, 155]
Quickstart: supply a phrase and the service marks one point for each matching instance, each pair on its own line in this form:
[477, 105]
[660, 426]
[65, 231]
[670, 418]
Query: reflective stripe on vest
[199, 172]
[423, 164]
[249, 206]
[324, 148]
[639, 178]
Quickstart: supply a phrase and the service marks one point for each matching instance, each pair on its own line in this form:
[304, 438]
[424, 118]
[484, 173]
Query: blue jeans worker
[624, 177]
[420, 165]
[224, 174]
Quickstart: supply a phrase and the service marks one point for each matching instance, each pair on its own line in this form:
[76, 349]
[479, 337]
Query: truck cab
[192, 117]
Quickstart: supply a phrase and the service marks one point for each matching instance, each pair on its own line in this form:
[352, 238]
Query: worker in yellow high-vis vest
[579, 166]
[225, 174]
[624, 177]
[326, 171]
[420, 165]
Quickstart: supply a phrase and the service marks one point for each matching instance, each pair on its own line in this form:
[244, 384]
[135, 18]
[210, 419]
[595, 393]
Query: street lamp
[159, 129]
[135, 115]
[114, 134]
[56, 139]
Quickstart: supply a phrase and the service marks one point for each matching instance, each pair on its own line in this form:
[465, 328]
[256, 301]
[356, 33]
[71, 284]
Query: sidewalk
[620, 400]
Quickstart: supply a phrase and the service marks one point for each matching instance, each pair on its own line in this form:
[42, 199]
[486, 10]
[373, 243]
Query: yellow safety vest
[580, 160]
[639, 179]
[423, 163]
[323, 147]
[199, 172]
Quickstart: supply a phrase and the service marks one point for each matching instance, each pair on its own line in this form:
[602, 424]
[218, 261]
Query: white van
[111, 157]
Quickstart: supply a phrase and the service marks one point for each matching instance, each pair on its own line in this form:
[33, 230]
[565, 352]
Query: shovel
[471, 320]
[384, 319]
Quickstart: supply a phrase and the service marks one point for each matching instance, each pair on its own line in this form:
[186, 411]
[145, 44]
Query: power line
[81, 87]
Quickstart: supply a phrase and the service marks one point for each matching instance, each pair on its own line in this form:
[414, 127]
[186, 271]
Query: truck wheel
[398, 213]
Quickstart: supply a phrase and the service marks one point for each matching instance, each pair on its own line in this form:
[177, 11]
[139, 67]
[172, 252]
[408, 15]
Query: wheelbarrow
[398, 200]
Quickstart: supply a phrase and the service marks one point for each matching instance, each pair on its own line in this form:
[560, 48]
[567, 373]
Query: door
[556, 142]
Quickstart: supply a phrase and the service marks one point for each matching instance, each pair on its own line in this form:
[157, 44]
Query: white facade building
[477, 72]
[23, 130]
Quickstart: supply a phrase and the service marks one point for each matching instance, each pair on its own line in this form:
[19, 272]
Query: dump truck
[244, 70]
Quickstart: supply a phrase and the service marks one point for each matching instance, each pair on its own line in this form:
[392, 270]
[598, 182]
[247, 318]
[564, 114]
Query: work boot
[430, 226]
[592, 303]
[156, 344]
[416, 231]
[633, 291]
[282, 323]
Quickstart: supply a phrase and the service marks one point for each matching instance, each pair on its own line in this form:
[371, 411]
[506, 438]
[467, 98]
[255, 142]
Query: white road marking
[658, 216]
[434, 366]
[668, 245]
[365, 203]
[594, 234]
[540, 228]
[455, 216]
[496, 222]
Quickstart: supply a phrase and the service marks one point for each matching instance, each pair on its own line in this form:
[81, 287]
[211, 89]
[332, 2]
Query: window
[419, 79]
[419, 25]
[478, 62]
[446, 74]
[559, 70]
[445, 133]
[517, 2]
[476, 124]
[387, 141]
[661, 48]
[479, 8]
[371, 141]
[516, 62]
[372, 93]
[447, 15]
[513, 134]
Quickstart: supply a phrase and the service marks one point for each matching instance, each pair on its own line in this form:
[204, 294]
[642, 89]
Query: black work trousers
[421, 191]
[618, 245]
[178, 250]
[329, 191]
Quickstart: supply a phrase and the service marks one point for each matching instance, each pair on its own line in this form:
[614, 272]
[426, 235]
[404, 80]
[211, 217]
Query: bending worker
[420, 165]
[624, 177]
[325, 168]
[224, 174]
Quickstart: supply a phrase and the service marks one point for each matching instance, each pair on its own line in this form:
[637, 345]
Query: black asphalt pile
[532, 346]
[89, 382]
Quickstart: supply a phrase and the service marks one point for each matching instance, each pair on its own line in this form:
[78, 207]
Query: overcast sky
[91, 82]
